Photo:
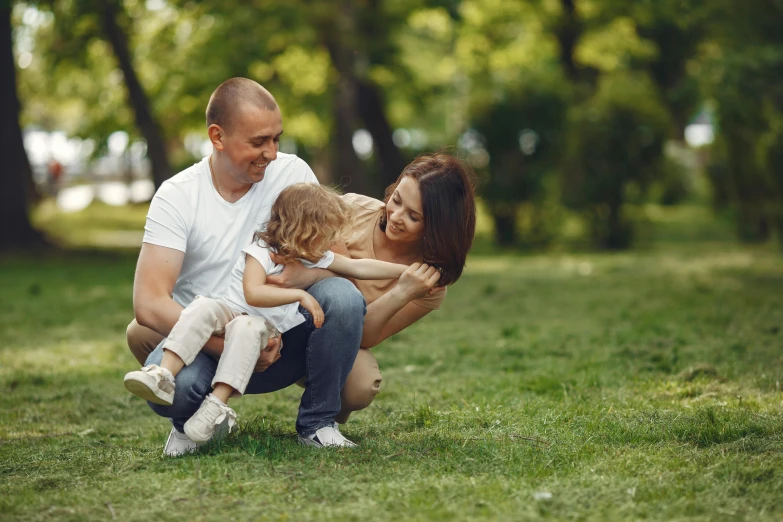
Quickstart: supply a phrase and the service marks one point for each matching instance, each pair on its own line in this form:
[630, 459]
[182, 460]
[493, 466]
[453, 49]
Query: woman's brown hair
[449, 205]
[306, 219]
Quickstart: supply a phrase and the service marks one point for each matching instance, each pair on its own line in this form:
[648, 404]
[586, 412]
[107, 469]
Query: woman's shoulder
[362, 202]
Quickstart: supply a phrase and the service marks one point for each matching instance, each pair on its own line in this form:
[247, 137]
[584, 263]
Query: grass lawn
[641, 385]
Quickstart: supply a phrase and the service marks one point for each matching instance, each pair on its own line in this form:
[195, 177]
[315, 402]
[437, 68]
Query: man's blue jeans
[325, 356]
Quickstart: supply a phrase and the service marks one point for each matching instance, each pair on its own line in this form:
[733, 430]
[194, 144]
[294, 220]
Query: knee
[141, 340]
[363, 383]
[339, 297]
[203, 308]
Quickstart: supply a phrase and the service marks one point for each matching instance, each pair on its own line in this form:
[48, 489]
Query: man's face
[251, 143]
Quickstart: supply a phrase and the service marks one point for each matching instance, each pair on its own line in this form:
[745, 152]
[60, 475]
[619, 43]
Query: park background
[613, 351]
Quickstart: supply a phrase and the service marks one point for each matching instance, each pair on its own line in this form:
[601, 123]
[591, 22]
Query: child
[305, 220]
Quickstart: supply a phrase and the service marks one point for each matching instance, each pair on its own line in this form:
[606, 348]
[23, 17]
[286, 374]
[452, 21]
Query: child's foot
[152, 383]
[212, 412]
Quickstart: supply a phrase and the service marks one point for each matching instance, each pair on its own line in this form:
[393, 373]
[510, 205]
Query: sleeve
[261, 255]
[304, 172]
[169, 219]
[324, 262]
[432, 302]
[364, 202]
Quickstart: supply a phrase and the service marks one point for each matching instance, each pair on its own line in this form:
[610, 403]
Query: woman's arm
[366, 268]
[262, 295]
[394, 311]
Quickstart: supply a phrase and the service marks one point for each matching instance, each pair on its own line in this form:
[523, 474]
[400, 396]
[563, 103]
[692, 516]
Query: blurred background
[585, 120]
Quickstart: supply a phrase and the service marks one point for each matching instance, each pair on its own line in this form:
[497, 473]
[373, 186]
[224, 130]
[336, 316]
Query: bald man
[197, 225]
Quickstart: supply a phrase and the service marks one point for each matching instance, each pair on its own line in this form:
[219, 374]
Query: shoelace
[232, 417]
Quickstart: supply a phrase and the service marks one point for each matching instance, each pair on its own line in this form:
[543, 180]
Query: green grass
[641, 385]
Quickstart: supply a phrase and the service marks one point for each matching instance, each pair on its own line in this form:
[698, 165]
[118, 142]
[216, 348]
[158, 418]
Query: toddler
[305, 220]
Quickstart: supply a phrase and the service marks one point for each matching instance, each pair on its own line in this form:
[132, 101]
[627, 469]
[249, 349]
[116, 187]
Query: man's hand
[270, 354]
[294, 275]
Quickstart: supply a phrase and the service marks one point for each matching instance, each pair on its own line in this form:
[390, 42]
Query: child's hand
[309, 303]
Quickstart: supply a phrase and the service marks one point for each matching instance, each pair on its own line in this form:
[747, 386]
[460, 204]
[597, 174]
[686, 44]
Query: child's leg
[201, 319]
[246, 336]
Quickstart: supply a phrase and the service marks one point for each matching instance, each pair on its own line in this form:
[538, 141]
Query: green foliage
[442, 68]
[523, 136]
[615, 145]
[743, 65]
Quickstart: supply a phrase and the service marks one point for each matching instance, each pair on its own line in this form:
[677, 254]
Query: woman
[427, 220]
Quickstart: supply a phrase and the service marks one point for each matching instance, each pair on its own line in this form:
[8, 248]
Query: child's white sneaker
[152, 383]
[328, 436]
[212, 412]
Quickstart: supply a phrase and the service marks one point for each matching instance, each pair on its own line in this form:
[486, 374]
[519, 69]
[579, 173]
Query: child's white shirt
[284, 317]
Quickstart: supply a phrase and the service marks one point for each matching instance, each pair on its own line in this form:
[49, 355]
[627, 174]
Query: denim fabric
[323, 355]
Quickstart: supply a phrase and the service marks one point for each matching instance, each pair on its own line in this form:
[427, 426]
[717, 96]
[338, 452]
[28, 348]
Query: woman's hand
[418, 280]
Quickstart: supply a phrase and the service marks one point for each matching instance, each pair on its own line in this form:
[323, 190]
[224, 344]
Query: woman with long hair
[427, 220]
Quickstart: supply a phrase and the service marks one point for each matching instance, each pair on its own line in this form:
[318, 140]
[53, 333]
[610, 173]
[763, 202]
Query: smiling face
[404, 213]
[249, 145]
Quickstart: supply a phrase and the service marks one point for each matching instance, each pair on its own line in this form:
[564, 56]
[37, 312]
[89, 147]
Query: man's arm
[156, 273]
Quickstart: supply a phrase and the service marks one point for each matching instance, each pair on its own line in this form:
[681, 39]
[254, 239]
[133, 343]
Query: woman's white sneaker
[328, 436]
[152, 383]
[212, 412]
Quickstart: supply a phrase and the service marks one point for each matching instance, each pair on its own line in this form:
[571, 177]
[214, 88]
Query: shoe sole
[142, 389]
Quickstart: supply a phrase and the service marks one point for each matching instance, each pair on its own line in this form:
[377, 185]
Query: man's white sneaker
[179, 444]
[152, 383]
[212, 412]
[328, 436]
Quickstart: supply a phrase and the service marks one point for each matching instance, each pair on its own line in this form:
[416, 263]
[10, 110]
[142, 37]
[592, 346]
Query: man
[197, 225]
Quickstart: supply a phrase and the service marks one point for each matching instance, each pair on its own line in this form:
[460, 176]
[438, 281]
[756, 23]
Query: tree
[110, 11]
[16, 230]
[616, 142]
[75, 52]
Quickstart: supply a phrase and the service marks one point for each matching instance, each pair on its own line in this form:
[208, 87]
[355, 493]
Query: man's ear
[216, 136]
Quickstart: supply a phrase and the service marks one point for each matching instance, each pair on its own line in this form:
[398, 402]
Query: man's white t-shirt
[283, 317]
[187, 214]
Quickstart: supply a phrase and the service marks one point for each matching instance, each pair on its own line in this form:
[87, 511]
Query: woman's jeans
[324, 356]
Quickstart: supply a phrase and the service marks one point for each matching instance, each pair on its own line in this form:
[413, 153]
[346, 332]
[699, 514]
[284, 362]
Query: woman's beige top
[360, 246]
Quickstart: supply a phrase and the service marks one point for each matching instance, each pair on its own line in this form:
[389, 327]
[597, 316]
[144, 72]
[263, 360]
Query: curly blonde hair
[306, 220]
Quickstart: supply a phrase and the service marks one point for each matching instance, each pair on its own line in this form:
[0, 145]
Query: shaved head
[232, 96]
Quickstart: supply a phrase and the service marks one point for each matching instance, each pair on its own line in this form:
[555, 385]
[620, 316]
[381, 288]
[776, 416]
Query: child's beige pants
[245, 335]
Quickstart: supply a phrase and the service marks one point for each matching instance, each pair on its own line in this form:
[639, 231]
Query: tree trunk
[373, 113]
[347, 169]
[504, 217]
[145, 121]
[567, 35]
[15, 230]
